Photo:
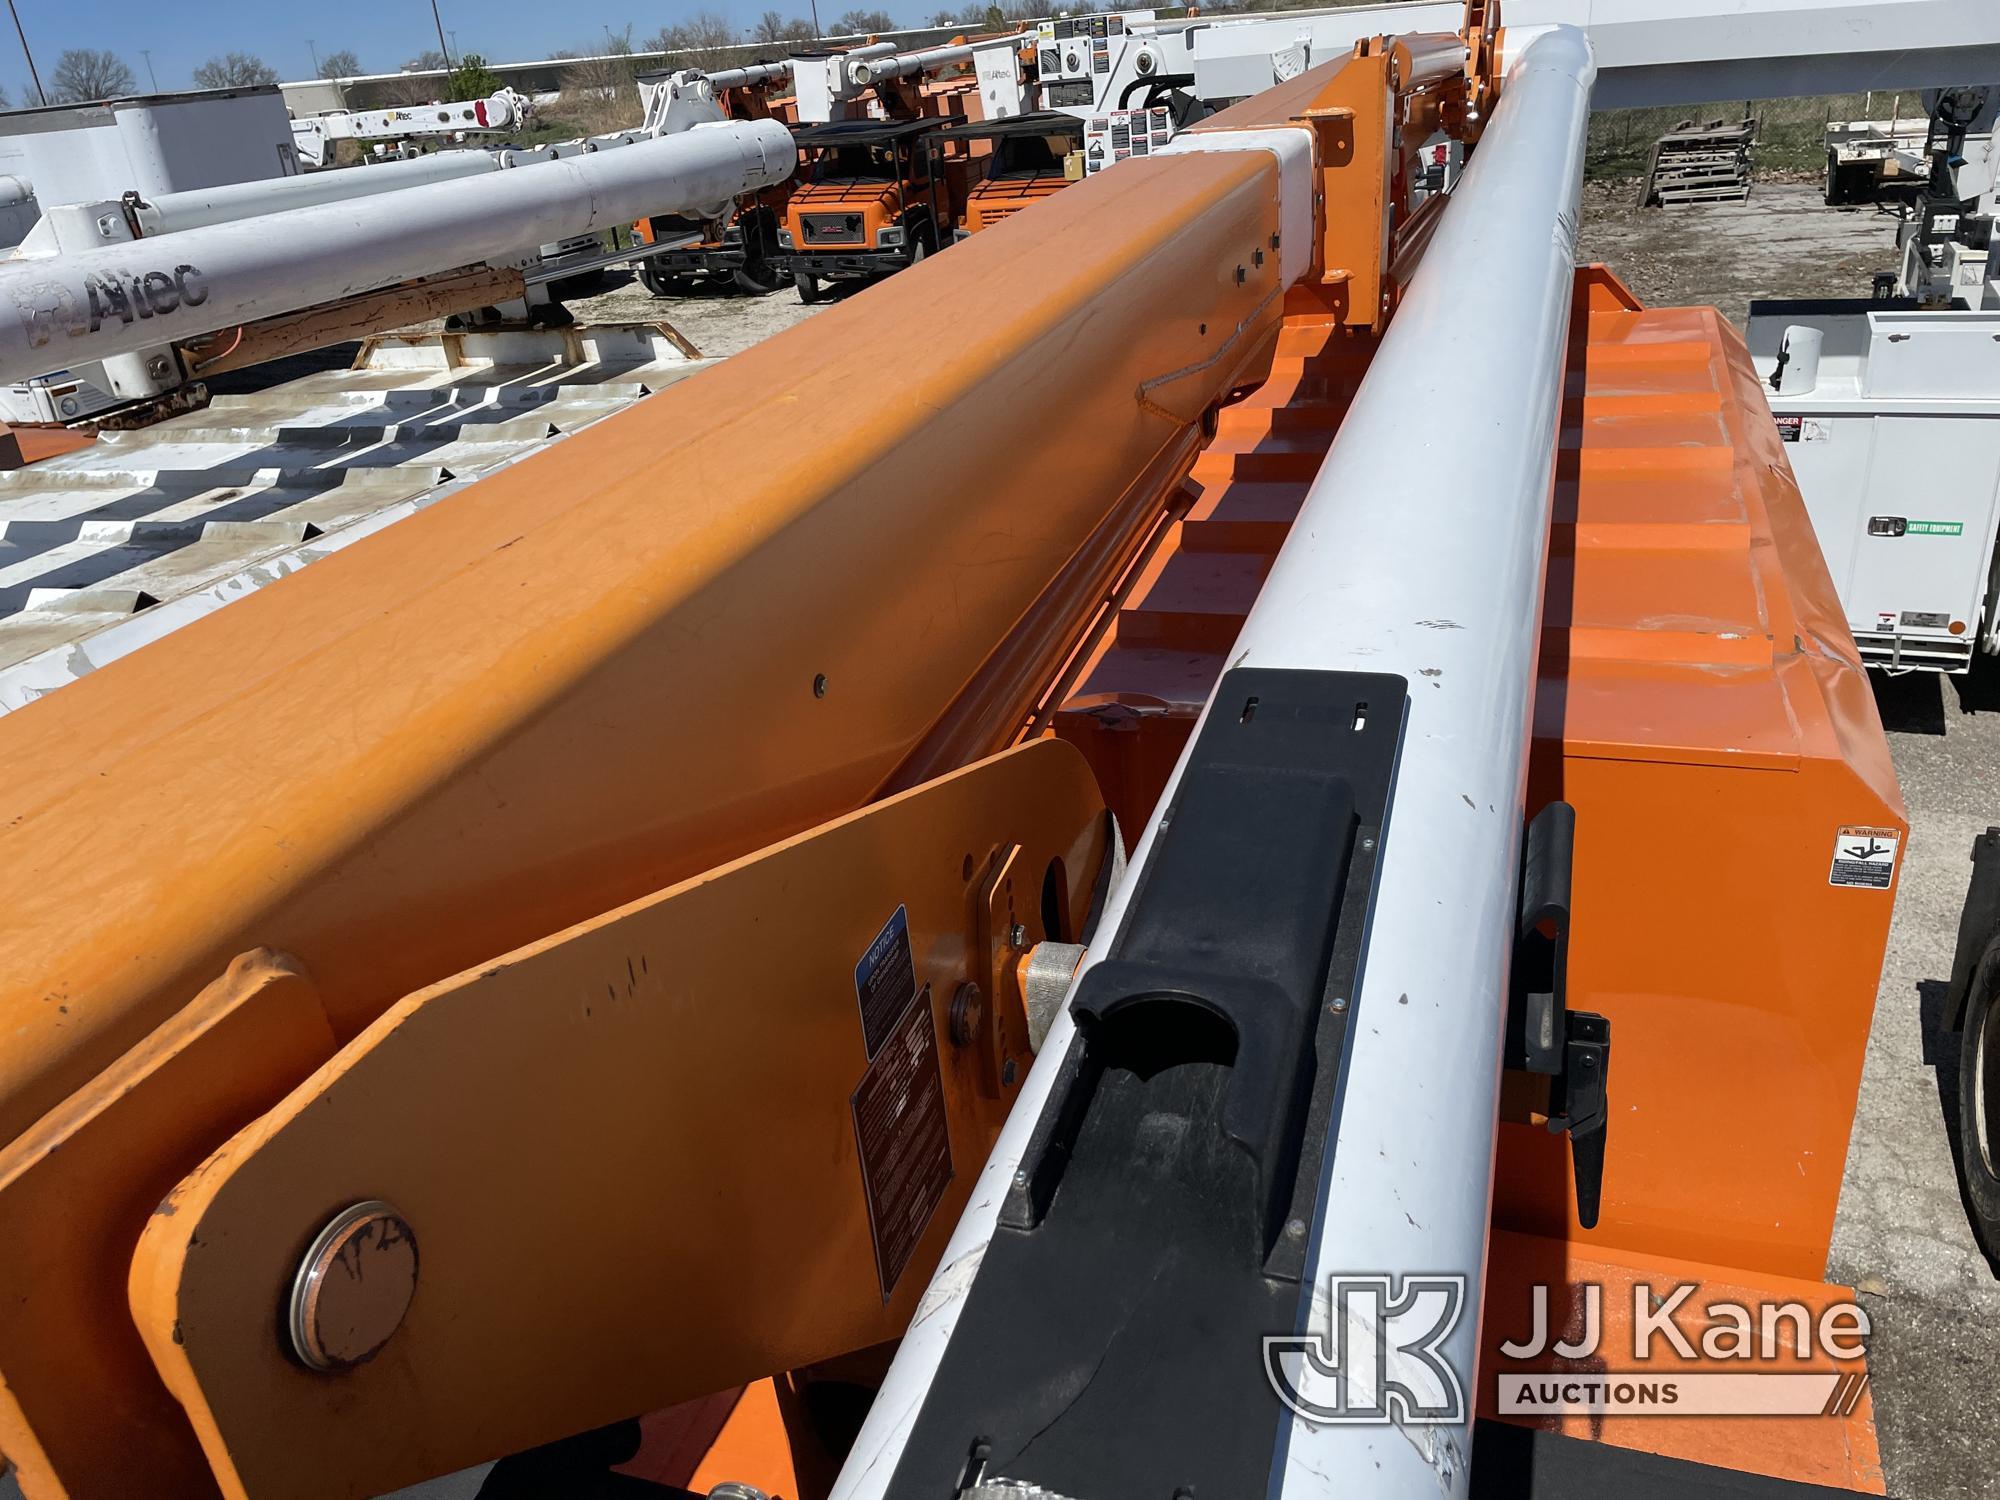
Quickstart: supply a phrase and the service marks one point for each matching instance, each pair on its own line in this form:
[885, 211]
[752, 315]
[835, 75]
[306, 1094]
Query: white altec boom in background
[114, 290]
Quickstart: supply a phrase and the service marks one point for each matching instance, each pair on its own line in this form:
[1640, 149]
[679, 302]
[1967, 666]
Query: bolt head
[354, 1287]
[968, 1012]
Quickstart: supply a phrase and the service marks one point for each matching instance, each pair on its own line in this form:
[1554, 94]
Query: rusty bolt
[353, 1287]
[968, 1010]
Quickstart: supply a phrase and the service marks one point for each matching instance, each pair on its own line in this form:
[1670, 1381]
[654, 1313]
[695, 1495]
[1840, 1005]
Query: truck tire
[651, 279]
[758, 279]
[1834, 196]
[810, 291]
[761, 270]
[1979, 1103]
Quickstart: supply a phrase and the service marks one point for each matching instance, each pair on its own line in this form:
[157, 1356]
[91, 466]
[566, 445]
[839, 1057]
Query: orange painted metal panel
[1702, 706]
[630, 657]
[628, 1153]
[82, 1410]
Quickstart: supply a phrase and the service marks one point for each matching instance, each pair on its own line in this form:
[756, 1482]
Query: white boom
[98, 303]
[313, 134]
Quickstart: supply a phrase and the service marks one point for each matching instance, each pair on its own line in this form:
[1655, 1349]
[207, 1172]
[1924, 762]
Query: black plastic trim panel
[1111, 1345]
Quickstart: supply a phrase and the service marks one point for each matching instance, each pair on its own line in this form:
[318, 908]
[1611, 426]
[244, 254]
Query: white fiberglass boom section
[96, 303]
[1424, 555]
[1412, 576]
[869, 70]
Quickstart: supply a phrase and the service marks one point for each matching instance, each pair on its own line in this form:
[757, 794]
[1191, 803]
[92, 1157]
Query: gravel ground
[1902, 1236]
[716, 322]
[1784, 242]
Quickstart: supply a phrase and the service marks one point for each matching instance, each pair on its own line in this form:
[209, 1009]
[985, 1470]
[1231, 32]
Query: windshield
[872, 162]
[1029, 156]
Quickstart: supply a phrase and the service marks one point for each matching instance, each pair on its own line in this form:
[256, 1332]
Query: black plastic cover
[1112, 1342]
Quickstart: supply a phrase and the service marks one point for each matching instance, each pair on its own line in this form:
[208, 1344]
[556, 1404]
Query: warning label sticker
[885, 979]
[1865, 857]
[905, 1142]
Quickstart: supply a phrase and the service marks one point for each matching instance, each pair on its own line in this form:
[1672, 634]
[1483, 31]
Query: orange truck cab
[873, 196]
[1026, 161]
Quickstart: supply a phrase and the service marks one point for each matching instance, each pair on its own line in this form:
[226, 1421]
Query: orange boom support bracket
[639, 1160]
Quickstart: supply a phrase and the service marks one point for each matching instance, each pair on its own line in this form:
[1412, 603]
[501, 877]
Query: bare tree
[83, 74]
[234, 70]
[864, 22]
[426, 62]
[699, 39]
[771, 27]
[341, 64]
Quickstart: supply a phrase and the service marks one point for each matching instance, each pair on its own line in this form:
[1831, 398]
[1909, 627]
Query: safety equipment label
[885, 979]
[1865, 857]
[904, 1139]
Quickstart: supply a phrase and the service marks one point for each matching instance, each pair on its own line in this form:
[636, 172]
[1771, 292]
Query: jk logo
[1372, 1353]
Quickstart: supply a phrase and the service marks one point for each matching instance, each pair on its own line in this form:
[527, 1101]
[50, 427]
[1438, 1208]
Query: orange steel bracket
[627, 1154]
[82, 1411]
[1351, 108]
[1354, 120]
[1465, 116]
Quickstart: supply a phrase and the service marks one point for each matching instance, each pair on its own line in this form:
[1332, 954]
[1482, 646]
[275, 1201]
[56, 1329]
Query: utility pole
[817, 33]
[315, 55]
[436, 20]
[151, 76]
[40, 92]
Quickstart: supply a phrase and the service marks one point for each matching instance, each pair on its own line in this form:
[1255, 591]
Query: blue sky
[384, 32]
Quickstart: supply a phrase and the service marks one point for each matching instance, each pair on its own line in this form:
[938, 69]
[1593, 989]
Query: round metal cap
[353, 1287]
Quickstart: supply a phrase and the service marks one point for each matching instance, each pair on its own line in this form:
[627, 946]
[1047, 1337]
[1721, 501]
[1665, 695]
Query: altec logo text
[1381, 1349]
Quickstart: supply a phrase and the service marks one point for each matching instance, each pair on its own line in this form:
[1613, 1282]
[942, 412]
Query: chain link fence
[1791, 133]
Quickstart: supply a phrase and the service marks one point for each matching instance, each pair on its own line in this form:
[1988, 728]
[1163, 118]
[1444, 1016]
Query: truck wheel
[1833, 193]
[757, 276]
[1979, 1103]
[810, 290]
[762, 271]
